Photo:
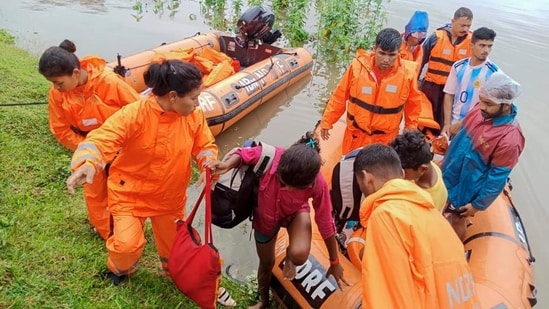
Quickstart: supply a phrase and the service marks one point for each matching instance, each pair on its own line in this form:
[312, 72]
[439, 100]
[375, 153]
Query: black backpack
[235, 194]
[345, 193]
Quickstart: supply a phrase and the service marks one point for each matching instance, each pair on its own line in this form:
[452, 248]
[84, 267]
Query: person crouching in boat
[416, 158]
[485, 149]
[283, 201]
[412, 257]
[83, 95]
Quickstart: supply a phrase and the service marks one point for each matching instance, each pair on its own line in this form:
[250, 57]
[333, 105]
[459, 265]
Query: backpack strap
[265, 160]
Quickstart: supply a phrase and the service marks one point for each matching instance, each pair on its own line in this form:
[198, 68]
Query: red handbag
[195, 267]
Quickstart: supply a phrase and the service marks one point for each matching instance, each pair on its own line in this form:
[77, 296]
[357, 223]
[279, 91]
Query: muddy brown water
[106, 27]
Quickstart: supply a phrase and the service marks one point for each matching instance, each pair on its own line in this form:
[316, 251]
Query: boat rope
[22, 104]
[532, 258]
[268, 70]
[238, 86]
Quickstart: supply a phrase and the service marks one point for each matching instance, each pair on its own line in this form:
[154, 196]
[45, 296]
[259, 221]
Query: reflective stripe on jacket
[444, 54]
[480, 158]
[153, 150]
[375, 107]
[412, 258]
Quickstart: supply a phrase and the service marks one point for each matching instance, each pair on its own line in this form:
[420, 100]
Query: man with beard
[485, 149]
[465, 79]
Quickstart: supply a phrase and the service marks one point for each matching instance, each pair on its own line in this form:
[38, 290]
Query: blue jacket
[481, 157]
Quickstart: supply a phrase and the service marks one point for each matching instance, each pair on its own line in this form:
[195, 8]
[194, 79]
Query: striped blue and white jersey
[464, 83]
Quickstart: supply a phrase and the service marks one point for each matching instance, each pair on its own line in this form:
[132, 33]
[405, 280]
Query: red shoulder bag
[195, 267]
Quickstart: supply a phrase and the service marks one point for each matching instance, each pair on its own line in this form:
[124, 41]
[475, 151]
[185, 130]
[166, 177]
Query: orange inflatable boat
[257, 73]
[496, 246]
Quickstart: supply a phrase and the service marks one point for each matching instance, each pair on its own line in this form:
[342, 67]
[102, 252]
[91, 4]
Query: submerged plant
[346, 25]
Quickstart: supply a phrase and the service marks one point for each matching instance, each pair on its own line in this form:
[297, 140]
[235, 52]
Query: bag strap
[208, 222]
[265, 160]
[208, 211]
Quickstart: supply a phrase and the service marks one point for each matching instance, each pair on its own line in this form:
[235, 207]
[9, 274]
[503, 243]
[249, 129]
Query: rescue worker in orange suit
[155, 139]
[83, 95]
[445, 46]
[405, 263]
[377, 89]
[414, 34]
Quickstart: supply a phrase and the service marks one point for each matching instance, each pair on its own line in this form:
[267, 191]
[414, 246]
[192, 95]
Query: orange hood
[393, 190]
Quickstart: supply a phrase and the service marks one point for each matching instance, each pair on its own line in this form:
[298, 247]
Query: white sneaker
[224, 298]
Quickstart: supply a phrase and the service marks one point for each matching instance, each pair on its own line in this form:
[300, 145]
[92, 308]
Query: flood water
[106, 27]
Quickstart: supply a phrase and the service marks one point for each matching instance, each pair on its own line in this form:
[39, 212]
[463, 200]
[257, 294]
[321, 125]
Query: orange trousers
[126, 244]
[97, 203]
[353, 139]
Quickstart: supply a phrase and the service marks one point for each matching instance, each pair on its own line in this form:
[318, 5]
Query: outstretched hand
[337, 271]
[83, 174]
[325, 134]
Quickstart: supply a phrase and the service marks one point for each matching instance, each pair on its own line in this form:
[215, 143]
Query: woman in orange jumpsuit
[83, 95]
[154, 140]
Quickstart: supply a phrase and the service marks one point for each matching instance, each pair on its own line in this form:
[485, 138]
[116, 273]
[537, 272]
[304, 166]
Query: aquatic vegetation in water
[340, 26]
[159, 7]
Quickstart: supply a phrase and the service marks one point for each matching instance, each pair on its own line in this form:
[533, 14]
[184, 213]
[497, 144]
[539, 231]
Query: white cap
[500, 88]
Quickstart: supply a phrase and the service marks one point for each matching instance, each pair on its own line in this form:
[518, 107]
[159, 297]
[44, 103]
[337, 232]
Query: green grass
[49, 257]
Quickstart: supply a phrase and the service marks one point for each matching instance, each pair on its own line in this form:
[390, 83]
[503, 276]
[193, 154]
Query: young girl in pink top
[283, 201]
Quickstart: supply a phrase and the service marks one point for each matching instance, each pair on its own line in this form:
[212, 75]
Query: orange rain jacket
[444, 54]
[153, 167]
[88, 106]
[416, 55]
[413, 258]
[374, 108]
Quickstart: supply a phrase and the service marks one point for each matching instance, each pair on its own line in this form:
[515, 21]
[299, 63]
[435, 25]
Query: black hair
[59, 60]
[463, 12]
[173, 75]
[380, 160]
[483, 33]
[300, 164]
[389, 39]
[412, 149]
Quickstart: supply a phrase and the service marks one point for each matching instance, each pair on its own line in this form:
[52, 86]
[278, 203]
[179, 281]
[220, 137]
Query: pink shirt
[277, 206]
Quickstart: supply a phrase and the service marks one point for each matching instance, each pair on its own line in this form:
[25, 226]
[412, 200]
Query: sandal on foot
[224, 298]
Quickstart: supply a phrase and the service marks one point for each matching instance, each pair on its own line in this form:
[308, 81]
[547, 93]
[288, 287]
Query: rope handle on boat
[532, 259]
[238, 86]
[269, 70]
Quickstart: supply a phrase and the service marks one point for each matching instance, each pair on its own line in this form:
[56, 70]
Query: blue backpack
[235, 194]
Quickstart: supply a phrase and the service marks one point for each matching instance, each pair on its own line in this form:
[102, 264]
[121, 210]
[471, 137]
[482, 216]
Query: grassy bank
[49, 257]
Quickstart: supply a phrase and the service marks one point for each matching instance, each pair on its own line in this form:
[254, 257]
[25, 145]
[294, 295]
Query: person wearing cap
[377, 91]
[485, 149]
[465, 79]
[441, 49]
[414, 34]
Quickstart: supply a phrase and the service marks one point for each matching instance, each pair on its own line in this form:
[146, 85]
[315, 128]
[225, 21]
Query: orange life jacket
[415, 55]
[444, 54]
[374, 107]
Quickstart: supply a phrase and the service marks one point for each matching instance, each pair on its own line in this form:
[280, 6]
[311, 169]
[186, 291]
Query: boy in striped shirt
[465, 79]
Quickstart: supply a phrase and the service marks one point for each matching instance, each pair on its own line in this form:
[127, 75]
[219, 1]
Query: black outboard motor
[255, 26]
